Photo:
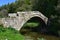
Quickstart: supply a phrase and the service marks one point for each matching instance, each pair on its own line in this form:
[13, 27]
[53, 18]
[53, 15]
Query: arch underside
[32, 17]
[41, 25]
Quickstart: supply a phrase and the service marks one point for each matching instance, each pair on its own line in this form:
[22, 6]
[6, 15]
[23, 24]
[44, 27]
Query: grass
[10, 34]
[31, 24]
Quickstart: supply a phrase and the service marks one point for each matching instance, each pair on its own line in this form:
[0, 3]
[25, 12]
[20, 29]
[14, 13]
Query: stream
[29, 35]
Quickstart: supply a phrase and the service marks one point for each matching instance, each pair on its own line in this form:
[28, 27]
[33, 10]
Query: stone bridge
[17, 20]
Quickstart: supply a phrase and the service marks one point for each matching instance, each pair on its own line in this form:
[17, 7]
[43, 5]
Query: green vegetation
[10, 34]
[31, 24]
[47, 7]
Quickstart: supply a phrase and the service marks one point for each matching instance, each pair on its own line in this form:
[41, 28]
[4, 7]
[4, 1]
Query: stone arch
[32, 16]
[21, 18]
[41, 27]
[25, 16]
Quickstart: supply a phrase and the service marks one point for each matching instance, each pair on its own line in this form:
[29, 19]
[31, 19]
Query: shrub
[9, 34]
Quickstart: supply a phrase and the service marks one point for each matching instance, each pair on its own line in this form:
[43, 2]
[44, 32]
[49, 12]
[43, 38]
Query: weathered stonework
[17, 20]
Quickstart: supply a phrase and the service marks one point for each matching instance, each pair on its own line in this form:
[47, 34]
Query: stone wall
[17, 20]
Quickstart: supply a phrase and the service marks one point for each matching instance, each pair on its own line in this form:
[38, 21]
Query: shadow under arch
[41, 28]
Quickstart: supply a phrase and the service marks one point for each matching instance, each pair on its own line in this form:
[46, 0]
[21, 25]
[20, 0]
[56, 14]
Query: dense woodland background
[47, 7]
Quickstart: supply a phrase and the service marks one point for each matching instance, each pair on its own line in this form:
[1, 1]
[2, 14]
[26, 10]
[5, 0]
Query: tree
[24, 5]
[47, 7]
[12, 8]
